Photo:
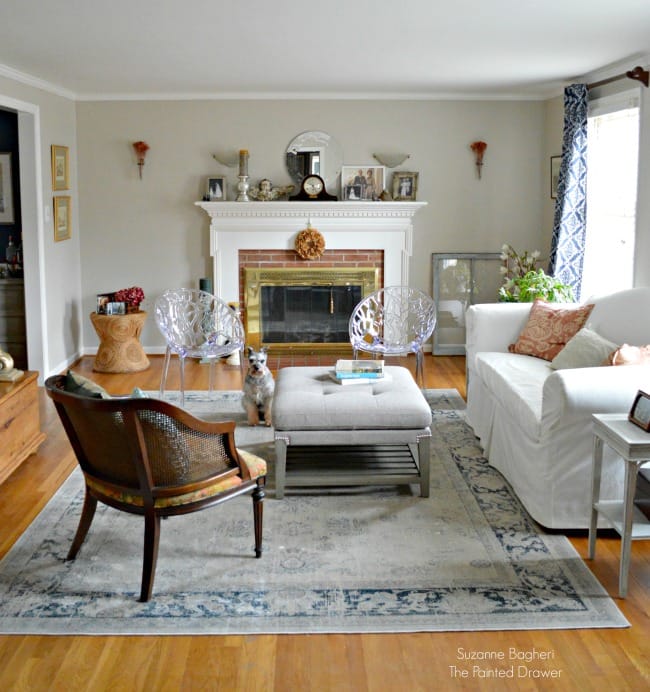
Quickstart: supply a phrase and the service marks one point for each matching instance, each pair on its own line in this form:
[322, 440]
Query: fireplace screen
[307, 314]
[304, 309]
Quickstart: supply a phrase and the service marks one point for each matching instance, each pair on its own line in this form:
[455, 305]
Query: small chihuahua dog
[259, 386]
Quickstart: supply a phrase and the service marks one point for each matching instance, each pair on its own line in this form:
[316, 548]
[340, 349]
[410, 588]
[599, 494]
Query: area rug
[345, 560]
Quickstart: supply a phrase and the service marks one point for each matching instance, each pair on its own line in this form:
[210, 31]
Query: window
[612, 165]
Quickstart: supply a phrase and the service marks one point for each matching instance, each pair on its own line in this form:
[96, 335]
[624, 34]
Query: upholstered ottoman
[361, 434]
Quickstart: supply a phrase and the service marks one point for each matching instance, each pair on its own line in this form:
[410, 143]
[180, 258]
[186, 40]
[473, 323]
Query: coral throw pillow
[548, 329]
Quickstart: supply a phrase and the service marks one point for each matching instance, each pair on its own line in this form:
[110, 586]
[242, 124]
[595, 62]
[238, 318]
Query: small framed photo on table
[640, 411]
[103, 299]
[217, 189]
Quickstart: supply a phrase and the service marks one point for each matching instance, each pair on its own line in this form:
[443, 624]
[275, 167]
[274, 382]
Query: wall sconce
[228, 159]
[141, 149]
[391, 160]
[479, 149]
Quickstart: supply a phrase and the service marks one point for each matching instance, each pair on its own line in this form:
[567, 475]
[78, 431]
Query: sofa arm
[493, 327]
[574, 394]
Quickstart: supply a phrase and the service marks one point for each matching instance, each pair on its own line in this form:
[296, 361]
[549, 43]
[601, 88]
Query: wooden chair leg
[258, 515]
[151, 540]
[87, 514]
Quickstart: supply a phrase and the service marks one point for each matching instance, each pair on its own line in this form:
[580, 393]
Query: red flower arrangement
[131, 296]
[479, 149]
[141, 149]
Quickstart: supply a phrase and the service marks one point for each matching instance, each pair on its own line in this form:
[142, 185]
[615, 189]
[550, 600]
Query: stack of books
[358, 371]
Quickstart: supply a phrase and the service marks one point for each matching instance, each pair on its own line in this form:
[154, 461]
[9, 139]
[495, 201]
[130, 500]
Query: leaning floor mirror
[460, 280]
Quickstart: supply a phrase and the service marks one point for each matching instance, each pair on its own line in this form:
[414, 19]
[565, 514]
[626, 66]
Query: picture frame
[216, 189]
[362, 183]
[60, 168]
[103, 299]
[116, 308]
[62, 218]
[555, 174]
[405, 185]
[6, 190]
[640, 411]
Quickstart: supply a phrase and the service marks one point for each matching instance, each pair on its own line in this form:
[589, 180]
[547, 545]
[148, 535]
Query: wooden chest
[20, 428]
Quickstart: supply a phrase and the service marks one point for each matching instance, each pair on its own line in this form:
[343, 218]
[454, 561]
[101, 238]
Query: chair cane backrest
[142, 444]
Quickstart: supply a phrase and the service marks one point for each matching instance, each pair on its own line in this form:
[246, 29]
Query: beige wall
[127, 231]
[149, 232]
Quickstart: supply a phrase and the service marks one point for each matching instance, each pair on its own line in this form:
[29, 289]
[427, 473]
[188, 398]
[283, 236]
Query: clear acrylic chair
[197, 324]
[395, 320]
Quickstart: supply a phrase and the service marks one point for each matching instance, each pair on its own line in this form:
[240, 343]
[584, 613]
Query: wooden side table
[633, 445]
[120, 349]
[20, 428]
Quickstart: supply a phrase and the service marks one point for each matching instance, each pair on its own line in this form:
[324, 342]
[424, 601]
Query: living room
[147, 231]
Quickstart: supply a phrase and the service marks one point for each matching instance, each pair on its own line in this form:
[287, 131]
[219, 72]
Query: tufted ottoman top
[306, 398]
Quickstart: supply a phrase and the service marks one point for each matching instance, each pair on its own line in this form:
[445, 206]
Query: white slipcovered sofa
[534, 422]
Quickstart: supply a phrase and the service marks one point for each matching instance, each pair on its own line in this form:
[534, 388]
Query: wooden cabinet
[20, 427]
[13, 338]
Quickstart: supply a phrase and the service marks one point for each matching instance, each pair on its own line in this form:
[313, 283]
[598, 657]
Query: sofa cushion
[587, 349]
[549, 328]
[517, 383]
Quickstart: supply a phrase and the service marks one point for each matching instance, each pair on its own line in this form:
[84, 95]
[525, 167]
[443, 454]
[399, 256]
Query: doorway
[31, 196]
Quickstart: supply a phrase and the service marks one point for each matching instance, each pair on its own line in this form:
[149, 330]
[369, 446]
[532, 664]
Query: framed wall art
[405, 185]
[6, 190]
[60, 168]
[62, 217]
[362, 183]
[216, 189]
[555, 174]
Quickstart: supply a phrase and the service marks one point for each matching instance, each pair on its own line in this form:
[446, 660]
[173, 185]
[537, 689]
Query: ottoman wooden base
[329, 435]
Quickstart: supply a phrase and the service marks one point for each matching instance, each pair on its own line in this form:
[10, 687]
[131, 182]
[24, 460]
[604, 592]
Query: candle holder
[242, 188]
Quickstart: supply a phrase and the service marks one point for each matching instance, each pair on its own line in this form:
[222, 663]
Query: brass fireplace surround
[256, 278]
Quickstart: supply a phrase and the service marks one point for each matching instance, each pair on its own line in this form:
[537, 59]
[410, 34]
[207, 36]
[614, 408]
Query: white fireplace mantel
[236, 226]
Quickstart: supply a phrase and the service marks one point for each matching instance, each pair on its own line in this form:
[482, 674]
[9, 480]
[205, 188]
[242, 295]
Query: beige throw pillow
[587, 349]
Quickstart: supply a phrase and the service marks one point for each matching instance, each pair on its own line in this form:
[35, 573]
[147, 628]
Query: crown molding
[615, 68]
[29, 80]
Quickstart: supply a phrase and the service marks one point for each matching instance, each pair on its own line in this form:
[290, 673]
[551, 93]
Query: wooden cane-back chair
[148, 457]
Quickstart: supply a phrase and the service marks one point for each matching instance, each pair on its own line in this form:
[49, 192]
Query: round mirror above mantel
[314, 153]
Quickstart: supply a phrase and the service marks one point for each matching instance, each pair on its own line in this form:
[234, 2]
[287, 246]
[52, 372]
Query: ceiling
[92, 49]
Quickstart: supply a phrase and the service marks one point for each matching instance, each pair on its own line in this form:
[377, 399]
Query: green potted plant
[524, 282]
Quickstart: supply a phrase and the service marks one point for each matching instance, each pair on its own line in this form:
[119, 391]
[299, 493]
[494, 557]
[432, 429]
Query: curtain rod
[637, 73]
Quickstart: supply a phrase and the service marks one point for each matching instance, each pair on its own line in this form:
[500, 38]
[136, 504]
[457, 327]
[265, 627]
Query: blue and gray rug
[352, 560]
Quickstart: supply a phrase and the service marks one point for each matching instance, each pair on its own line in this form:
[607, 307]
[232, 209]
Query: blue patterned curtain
[570, 221]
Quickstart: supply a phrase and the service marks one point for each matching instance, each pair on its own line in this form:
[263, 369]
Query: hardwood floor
[582, 659]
